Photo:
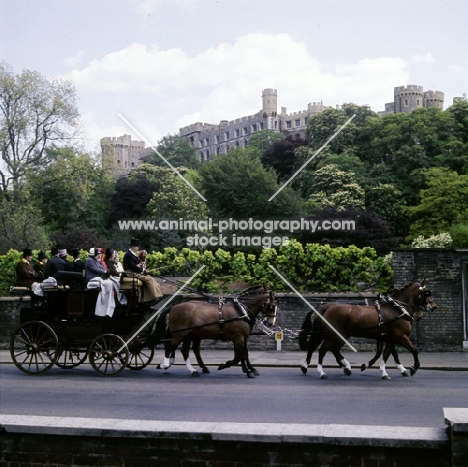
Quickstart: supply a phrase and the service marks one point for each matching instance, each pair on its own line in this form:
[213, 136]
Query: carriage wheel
[71, 356]
[108, 354]
[140, 356]
[34, 347]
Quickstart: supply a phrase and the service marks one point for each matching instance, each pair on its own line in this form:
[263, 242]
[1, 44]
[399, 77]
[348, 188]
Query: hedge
[310, 268]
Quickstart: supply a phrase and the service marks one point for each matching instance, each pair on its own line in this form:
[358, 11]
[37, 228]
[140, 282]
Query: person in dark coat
[54, 265]
[40, 265]
[25, 274]
[78, 263]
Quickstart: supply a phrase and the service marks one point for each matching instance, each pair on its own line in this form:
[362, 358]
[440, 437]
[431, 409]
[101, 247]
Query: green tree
[336, 188]
[443, 203]
[175, 149]
[237, 185]
[262, 140]
[71, 189]
[21, 224]
[34, 113]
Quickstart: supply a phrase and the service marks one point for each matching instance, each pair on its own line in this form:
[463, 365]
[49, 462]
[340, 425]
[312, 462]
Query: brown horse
[390, 321]
[229, 319]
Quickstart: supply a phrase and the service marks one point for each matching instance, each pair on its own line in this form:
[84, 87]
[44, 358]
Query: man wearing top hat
[25, 274]
[150, 291]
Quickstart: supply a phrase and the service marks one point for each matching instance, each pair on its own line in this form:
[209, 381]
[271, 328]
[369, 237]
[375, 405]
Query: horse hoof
[158, 366]
[363, 367]
[386, 377]
[195, 374]
[412, 371]
[205, 370]
[405, 373]
[323, 377]
[304, 369]
[250, 374]
[255, 372]
[221, 367]
[347, 372]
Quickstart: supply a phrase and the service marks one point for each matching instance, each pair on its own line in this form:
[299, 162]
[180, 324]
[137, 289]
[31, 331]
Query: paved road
[279, 394]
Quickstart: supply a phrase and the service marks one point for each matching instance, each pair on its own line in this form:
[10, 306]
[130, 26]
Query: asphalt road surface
[278, 395]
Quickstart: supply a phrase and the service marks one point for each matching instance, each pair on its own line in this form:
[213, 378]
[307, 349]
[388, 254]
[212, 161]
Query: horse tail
[306, 330]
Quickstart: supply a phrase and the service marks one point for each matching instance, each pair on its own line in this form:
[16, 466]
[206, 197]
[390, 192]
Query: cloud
[426, 58]
[458, 69]
[168, 89]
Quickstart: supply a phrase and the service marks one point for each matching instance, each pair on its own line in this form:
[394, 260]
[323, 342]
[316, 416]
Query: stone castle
[211, 139]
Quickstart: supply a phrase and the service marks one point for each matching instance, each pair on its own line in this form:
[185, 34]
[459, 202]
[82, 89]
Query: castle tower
[270, 102]
[408, 98]
[434, 99]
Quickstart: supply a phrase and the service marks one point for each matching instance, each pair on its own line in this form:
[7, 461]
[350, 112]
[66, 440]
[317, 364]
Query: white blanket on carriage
[105, 303]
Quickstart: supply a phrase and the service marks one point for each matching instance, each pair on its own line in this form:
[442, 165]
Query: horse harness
[386, 298]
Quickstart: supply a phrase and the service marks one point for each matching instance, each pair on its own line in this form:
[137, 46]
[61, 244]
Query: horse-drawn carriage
[62, 328]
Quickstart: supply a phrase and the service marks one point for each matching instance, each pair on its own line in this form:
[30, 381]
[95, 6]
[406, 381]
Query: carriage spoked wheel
[108, 354]
[140, 356]
[71, 356]
[34, 347]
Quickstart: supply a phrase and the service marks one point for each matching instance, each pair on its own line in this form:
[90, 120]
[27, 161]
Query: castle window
[417, 102]
[406, 103]
[289, 124]
[261, 125]
[237, 133]
[226, 136]
[254, 127]
[246, 131]
[216, 139]
[297, 122]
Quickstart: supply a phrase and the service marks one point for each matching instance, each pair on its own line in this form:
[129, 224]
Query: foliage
[21, 224]
[176, 150]
[443, 203]
[69, 186]
[281, 156]
[442, 240]
[332, 187]
[312, 267]
[34, 112]
[459, 234]
[76, 237]
[238, 186]
[7, 270]
[263, 140]
[366, 229]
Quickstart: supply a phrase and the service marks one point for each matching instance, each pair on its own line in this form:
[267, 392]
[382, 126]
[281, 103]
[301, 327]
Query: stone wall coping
[456, 419]
[344, 435]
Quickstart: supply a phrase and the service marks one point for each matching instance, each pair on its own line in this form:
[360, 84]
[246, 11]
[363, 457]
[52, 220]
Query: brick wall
[442, 268]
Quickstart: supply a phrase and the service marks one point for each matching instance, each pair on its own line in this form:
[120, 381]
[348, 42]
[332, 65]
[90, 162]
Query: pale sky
[163, 64]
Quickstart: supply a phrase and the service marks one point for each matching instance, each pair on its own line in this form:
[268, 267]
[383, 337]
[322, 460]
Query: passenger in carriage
[93, 265]
[57, 263]
[26, 276]
[111, 258]
[150, 291]
[78, 263]
[40, 265]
